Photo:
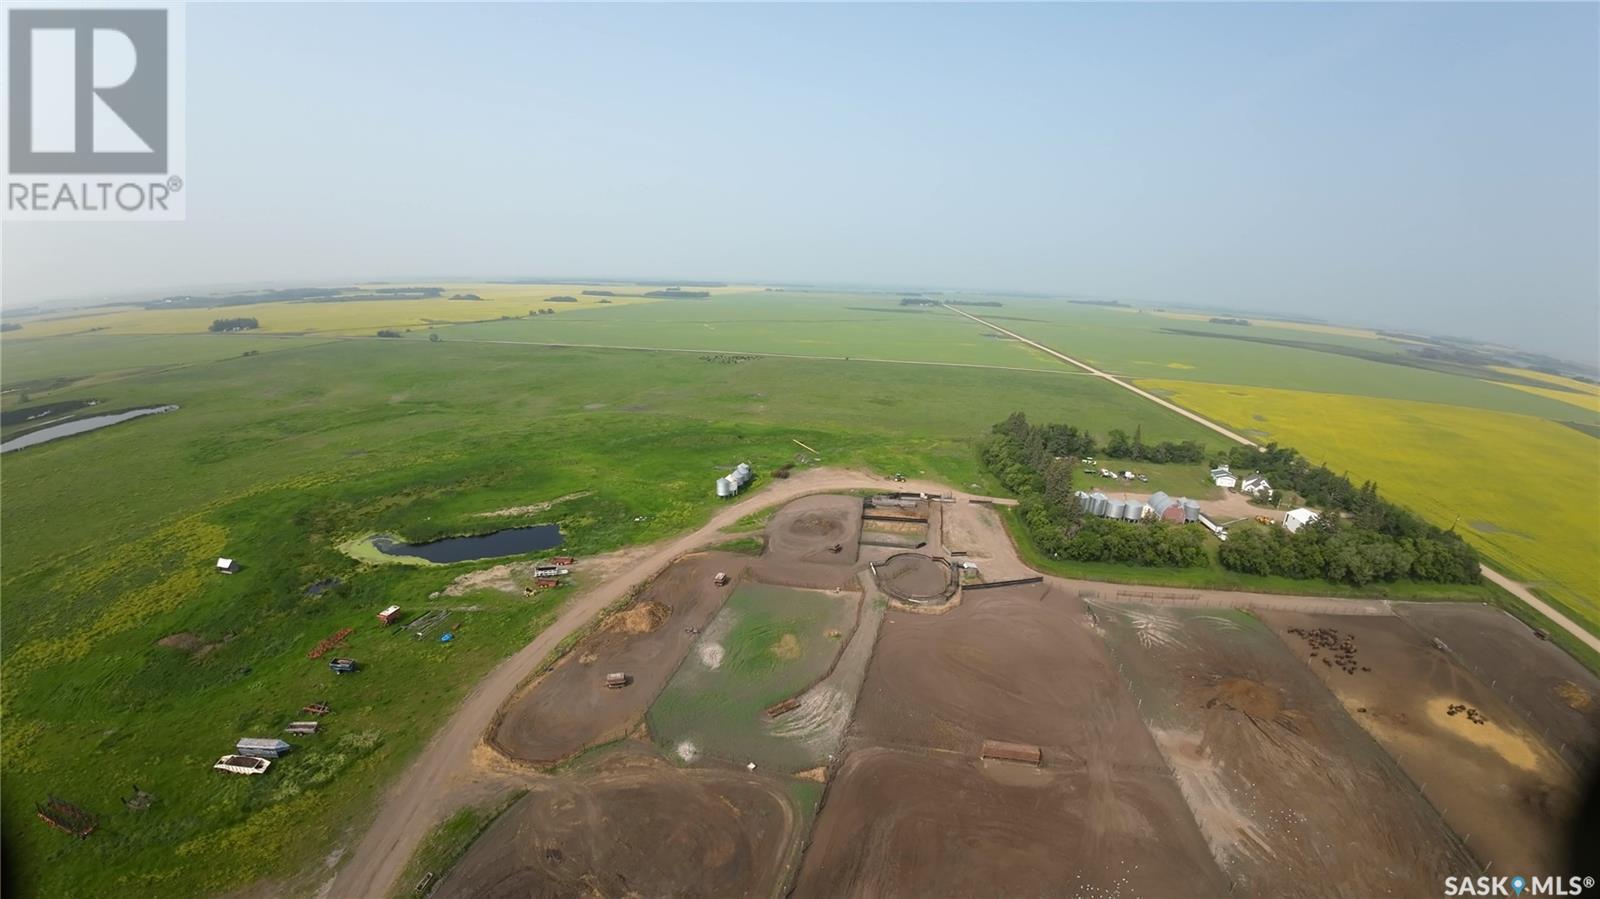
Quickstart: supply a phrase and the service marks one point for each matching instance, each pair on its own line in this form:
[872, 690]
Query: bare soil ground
[914, 811]
[1013, 663]
[1551, 689]
[916, 823]
[571, 708]
[635, 826]
[1287, 790]
[806, 529]
[1496, 783]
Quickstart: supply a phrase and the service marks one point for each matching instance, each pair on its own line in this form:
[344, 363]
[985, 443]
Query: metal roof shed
[261, 747]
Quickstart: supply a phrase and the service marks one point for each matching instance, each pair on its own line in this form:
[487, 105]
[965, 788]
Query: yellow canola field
[347, 317]
[1524, 488]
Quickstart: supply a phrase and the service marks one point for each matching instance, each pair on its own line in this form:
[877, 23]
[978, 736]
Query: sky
[1428, 166]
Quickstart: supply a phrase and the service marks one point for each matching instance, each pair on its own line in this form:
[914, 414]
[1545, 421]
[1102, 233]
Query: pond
[78, 426]
[509, 542]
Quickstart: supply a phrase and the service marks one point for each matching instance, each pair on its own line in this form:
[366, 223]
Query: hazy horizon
[1414, 167]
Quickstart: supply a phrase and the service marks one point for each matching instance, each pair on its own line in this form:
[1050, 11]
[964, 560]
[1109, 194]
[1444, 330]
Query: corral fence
[1014, 582]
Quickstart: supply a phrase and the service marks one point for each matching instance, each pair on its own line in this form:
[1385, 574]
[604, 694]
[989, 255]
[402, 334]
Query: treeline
[1230, 321]
[235, 324]
[1024, 457]
[1120, 445]
[673, 293]
[1379, 541]
[1065, 440]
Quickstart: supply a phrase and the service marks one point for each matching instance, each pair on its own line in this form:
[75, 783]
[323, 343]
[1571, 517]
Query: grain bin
[1114, 508]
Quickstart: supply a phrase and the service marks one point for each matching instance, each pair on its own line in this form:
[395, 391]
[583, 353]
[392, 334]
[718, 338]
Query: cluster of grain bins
[1098, 503]
[1179, 509]
[734, 481]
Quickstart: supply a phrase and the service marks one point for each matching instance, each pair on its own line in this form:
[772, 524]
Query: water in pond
[509, 542]
[78, 426]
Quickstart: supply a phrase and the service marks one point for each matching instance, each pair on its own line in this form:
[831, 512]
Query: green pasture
[32, 364]
[768, 644]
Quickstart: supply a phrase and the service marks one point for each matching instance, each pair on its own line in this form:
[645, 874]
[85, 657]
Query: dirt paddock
[806, 530]
[1285, 787]
[1551, 689]
[916, 578]
[634, 825]
[1497, 784]
[915, 823]
[914, 811]
[571, 708]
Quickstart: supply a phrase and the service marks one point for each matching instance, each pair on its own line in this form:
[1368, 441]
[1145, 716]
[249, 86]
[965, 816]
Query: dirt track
[430, 789]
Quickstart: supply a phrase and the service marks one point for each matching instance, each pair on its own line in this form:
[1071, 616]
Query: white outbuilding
[1298, 518]
[1222, 477]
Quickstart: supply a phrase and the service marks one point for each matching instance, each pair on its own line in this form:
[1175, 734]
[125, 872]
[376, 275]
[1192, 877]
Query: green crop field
[766, 645]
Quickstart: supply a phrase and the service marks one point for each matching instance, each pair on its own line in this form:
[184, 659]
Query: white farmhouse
[1255, 485]
[1222, 477]
[1298, 518]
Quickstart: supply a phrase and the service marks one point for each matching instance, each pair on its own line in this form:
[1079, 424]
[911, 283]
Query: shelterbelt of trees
[1360, 538]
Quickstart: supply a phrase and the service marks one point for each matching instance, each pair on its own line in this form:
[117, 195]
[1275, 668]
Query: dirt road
[1518, 590]
[429, 790]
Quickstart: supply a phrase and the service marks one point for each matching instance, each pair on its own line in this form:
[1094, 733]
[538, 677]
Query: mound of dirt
[1238, 694]
[184, 642]
[640, 619]
[818, 524]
